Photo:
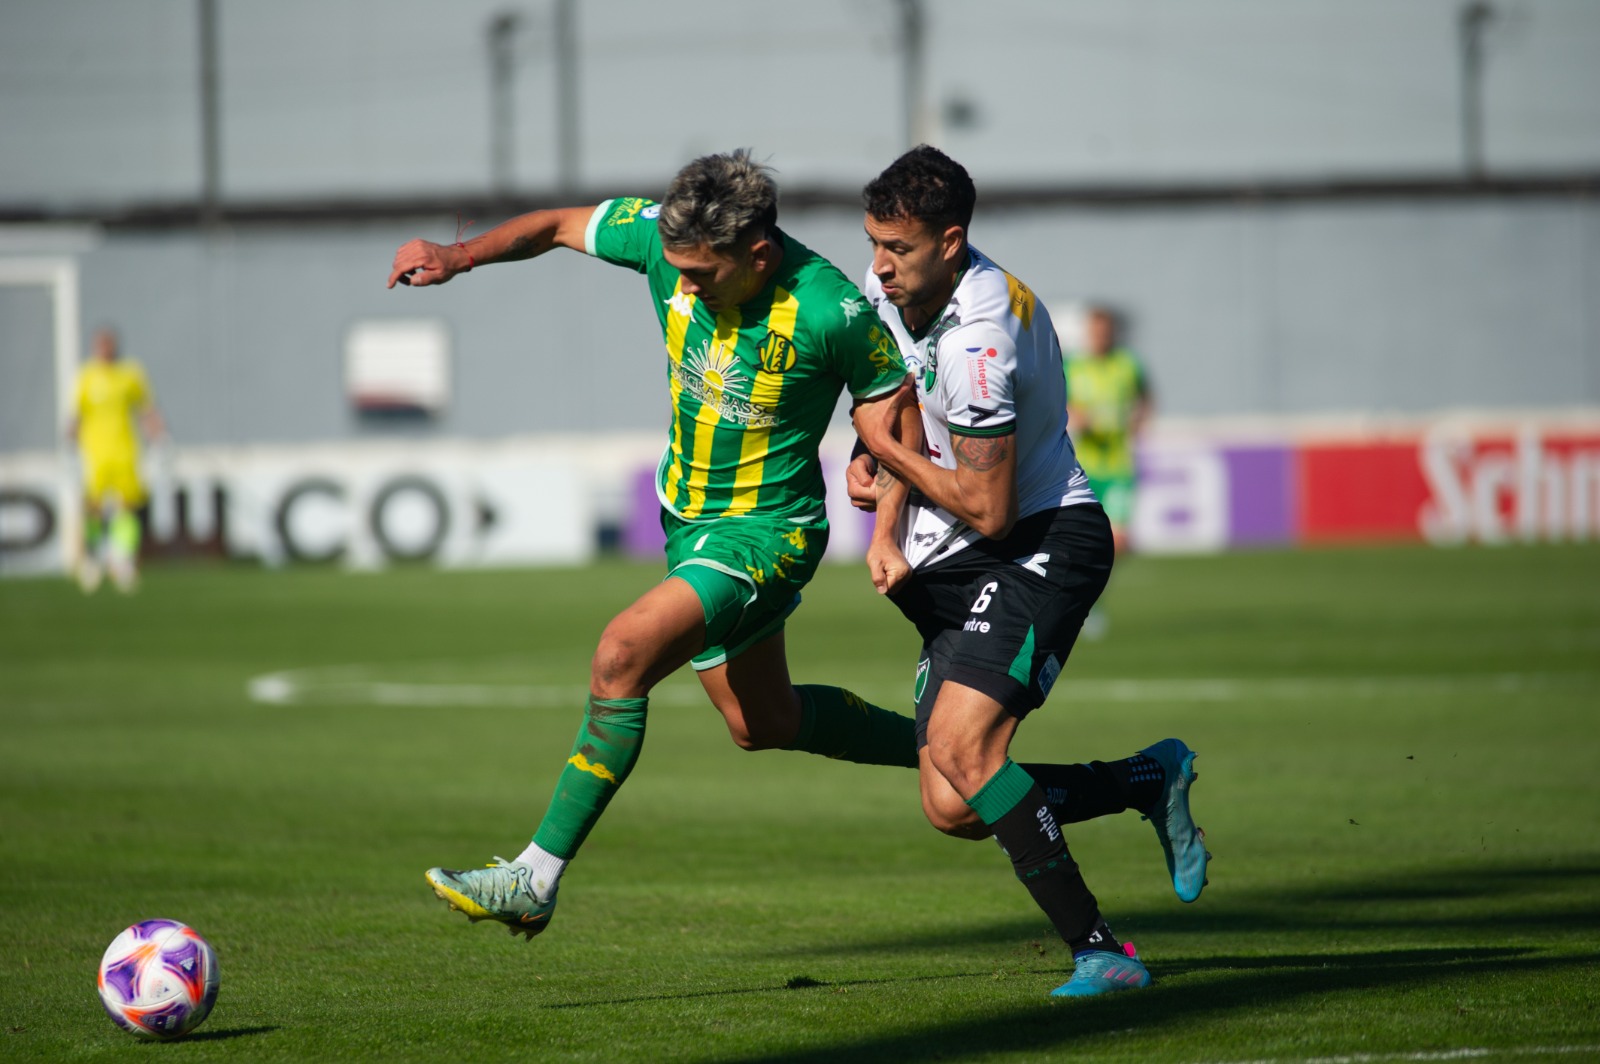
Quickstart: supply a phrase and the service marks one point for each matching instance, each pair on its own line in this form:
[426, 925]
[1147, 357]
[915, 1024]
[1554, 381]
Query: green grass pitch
[1398, 776]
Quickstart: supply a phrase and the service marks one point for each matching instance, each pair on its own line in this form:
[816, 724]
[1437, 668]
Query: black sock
[1082, 792]
[1028, 834]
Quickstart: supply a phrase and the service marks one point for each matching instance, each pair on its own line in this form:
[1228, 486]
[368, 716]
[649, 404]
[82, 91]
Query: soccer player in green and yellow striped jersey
[761, 336]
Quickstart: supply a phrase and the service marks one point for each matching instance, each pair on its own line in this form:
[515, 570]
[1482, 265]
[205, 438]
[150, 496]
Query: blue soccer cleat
[1099, 972]
[1181, 841]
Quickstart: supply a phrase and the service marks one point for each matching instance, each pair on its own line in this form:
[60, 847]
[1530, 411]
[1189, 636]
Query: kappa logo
[681, 304]
[851, 308]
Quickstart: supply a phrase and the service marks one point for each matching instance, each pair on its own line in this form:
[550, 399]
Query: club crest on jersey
[777, 353]
[922, 680]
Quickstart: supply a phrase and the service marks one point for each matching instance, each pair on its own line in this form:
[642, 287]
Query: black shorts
[1001, 616]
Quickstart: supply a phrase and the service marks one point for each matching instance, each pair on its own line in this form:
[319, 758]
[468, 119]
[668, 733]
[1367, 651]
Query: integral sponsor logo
[852, 307]
[978, 370]
[777, 353]
[652, 211]
[708, 374]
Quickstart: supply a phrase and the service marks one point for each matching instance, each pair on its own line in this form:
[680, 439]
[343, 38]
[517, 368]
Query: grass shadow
[225, 1033]
[1058, 1026]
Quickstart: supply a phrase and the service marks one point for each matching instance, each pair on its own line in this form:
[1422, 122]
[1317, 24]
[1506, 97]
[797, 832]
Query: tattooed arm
[981, 490]
[422, 262]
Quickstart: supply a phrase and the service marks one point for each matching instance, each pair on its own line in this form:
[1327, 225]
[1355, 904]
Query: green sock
[94, 528]
[840, 724]
[125, 534]
[607, 746]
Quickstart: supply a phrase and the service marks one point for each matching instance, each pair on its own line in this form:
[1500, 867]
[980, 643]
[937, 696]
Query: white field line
[1474, 1053]
[368, 685]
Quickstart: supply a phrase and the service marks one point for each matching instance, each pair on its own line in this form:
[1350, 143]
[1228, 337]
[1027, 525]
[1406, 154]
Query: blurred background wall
[1347, 207]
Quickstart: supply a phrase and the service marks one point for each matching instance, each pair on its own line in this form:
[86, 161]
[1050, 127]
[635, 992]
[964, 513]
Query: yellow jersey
[109, 395]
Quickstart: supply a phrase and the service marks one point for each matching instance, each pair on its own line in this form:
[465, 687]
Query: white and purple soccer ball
[158, 979]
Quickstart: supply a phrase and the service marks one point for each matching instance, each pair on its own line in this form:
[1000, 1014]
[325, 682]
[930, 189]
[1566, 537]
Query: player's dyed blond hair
[717, 200]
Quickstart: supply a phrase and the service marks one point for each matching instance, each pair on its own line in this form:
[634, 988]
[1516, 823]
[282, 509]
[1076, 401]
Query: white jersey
[989, 366]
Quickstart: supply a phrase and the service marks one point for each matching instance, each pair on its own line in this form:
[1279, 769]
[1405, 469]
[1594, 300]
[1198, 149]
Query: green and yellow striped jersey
[1106, 388]
[753, 386]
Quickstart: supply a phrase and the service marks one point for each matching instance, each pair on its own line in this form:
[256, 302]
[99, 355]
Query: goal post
[58, 275]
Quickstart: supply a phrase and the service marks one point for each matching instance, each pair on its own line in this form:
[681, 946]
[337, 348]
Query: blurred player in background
[761, 336]
[999, 553]
[111, 402]
[1108, 402]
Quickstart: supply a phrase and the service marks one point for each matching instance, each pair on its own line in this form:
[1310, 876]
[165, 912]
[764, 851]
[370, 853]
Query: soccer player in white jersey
[989, 539]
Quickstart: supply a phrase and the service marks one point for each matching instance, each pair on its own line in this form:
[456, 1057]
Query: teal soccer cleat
[1098, 972]
[1181, 841]
[503, 891]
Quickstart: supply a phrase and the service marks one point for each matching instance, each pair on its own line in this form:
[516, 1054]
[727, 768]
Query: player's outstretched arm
[422, 262]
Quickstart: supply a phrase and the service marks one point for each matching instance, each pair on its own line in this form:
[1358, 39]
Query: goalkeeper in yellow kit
[111, 394]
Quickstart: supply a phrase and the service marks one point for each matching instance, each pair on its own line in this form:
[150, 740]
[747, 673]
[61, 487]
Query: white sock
[547, 869]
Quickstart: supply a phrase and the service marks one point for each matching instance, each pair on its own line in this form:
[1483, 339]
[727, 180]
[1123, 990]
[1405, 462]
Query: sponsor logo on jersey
[882, 354]
[1048, 673]
[709, 374]
[777, 353]
[978, 370]
[1022, 301]
[652, 211]
[626, 212]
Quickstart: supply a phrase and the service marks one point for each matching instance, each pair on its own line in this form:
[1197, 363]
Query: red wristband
[470, 262]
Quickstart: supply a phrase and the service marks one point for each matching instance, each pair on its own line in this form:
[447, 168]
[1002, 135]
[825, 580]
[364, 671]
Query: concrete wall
[99, 100]
[1281, 309]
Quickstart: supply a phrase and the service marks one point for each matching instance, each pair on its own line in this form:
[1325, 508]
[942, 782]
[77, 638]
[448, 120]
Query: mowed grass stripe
[1397, 778]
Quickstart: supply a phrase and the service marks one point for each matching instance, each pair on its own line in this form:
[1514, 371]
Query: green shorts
[748, 572]
[1116, 497]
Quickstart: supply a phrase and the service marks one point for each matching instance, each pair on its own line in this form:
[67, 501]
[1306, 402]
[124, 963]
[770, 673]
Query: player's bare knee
[953, 817]
[963, 768]
[618, 668]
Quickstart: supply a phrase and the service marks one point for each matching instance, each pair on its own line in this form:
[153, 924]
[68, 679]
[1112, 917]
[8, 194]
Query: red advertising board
[1451, 487]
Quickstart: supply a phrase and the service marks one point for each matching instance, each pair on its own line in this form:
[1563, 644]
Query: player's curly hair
[718, 200]
[925, 184]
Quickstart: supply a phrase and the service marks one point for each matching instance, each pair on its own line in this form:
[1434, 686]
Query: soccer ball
[158, 979]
